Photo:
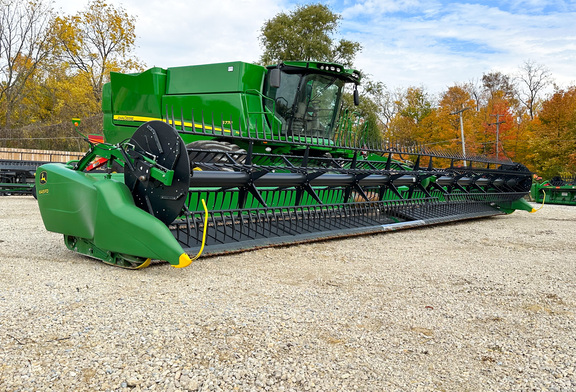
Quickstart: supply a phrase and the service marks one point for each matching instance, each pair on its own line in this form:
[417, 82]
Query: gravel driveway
[485, 305]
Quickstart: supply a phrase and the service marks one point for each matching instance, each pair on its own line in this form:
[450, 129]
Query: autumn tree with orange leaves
[26, 47]
[52, 68]
[456, 98]
[553, 143]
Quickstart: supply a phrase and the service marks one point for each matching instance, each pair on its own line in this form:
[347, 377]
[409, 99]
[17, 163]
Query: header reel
[158, 172]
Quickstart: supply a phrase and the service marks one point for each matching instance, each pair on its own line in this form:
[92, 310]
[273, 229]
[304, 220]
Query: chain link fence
[58, 137]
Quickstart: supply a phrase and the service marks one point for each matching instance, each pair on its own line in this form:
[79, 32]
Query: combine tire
[214, 155]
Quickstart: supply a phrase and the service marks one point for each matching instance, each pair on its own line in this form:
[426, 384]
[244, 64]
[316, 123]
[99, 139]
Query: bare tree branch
[25, 43]
[532, 80]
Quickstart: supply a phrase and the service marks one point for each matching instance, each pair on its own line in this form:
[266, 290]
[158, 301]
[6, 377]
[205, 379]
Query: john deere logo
[43, 178]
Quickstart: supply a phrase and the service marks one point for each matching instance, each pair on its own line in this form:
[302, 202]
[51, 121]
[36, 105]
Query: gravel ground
[485, 305]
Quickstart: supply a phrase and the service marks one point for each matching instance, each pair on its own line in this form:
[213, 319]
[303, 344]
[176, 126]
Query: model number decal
[125, 118]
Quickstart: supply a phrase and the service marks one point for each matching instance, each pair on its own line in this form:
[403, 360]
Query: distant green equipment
[17, 176]
[558, 190]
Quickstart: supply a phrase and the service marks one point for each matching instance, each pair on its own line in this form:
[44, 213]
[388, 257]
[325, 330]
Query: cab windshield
[306, 105]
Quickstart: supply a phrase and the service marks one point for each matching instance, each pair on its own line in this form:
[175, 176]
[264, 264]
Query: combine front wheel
[214, 155]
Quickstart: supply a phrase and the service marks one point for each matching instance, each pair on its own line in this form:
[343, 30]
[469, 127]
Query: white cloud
[523, 6]
[202, 32]
[406, 42]
[179, 32]
[378, 7]
[460, 43]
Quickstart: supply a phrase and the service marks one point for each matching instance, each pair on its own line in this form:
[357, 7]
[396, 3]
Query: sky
[432, 44]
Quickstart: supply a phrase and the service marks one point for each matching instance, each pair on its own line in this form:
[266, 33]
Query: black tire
[214, 155]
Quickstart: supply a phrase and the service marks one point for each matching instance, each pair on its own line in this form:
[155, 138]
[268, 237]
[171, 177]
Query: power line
[498, 122]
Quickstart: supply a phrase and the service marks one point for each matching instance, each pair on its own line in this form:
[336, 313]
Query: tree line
[523, 117]
[53, 67]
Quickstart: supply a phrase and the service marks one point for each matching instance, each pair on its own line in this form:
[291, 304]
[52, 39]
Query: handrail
[350, 136]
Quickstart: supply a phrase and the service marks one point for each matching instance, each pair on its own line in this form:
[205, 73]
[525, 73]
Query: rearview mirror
[275, 77]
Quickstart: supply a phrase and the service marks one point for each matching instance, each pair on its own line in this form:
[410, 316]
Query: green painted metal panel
[224, 109]
[228, 92]
[66, 199]
[215, 78]
[554, 193]
[122, 227]
[99, 209]
[130, 100]
[511, 206]
[138, 94]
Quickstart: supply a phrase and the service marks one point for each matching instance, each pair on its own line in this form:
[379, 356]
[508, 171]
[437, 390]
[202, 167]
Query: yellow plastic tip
[183, 261]
[144, 264]
[533, 210]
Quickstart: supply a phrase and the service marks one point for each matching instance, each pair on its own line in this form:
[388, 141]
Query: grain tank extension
[235, 156]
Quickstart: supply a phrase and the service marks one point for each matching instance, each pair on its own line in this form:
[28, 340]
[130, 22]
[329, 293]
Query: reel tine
[182, 119]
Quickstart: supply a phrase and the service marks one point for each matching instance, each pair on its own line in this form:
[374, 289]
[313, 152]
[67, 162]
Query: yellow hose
[543, 200]
[204, 233]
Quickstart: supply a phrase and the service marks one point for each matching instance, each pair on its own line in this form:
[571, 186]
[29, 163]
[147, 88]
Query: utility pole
[498, 122]
[462, 132]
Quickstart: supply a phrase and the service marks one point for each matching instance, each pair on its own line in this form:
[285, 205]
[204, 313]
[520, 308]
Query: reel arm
[127, 156]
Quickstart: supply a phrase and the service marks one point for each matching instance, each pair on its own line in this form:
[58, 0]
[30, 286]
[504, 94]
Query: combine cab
[227, 157]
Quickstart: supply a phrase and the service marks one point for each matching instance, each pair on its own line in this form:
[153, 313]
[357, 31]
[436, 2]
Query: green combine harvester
[227, 157]
[558, 190]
